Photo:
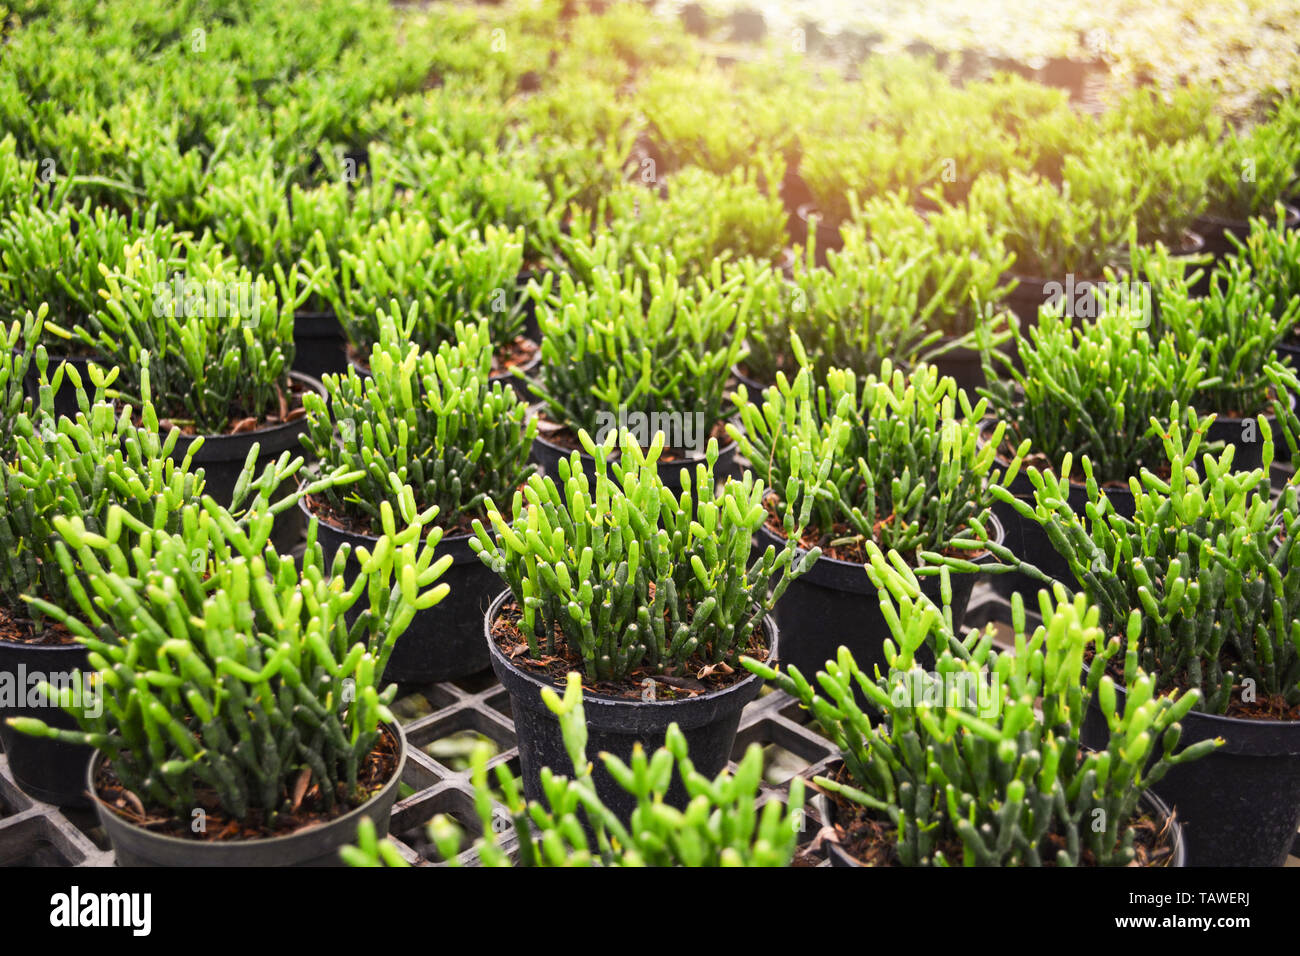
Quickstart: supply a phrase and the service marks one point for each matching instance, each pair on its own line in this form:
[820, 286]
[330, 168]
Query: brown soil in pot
[698, 675]
[567, 438]
[353, 524]
[20, 630]
[307, 807]
[290, 409]
[855, 553]
[873, 841]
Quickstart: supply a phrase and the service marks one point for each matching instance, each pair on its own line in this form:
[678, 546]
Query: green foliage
[458, 277]
[624, 575]
[898, 461]
[1205, 566]
[432, 421]
[978, 762]
[865, 308]
[657, 344]
[1252, 170]
[1092, 385]
[208, 345]
[226, 667]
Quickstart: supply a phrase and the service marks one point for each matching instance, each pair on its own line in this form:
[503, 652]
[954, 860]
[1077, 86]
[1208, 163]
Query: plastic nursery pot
[49, 770]
[1240, 805]
[828, 237]
[1029, 542]
[1217, 229]
[1244, 434]
[548, 455]
[754, 386]
[1033, 292]
[443, 642]
[319, 344]
[709, 723]
[1149, 802]
[960, 363]
[222, 459]
[836, 604]
[313, 846]
[65, 399]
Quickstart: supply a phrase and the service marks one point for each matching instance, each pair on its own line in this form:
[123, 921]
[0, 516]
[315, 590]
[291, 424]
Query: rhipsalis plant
[1091, 386]
[956, 252]
[459, 277]
[623, 575]
[1207, 565]
[1238, 322]
[865, 308]
[620, 344]
[722, 824]
[429, 420]
[978, 761]
[1251, 170]
[238, 684]
[1269, 260]
[58, 257]
[17, 345]
[217, 341]
[898, 461]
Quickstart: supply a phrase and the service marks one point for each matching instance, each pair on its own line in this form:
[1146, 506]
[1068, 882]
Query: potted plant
[1250, 172]
[980, 760]
[651, 594]
[1063, 238]
[439, 424]
[1268, 260]
[897, 461]
[269, 736]
[1084, 387]
[649, 356]
[1202, 576]
[865, 308]
[211, 348]
[721, 826]
[54, 257]
[459, 277]
[959, 259]
[1241, 325]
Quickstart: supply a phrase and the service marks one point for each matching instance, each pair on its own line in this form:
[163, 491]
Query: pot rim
[992, 524]
[687, 462]
[1149, 797]
[289, 839]
[1291, 218]
[591, 699]
[370, 538]
[210, 441]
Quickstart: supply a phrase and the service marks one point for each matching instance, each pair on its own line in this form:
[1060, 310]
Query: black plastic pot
[222, 459]
[1149, 801]
[1032, 292]
[65, 399]
[753, 385]
[960, 363]
[836, 604]
[1245, 435]
[49, 770]
[319, 344]
[443, 642]
[828, 237]
[1028, 540]
[1240, 805]
[318, 846]
[548, 454]
[709, 723]
[1216, 230]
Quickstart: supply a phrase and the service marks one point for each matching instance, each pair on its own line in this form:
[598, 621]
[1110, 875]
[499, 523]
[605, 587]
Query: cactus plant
[978, 762]
[429, 420]
[615, 343]
[238, 681]
[623, 575]
[906, 465]
[1204, 566]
